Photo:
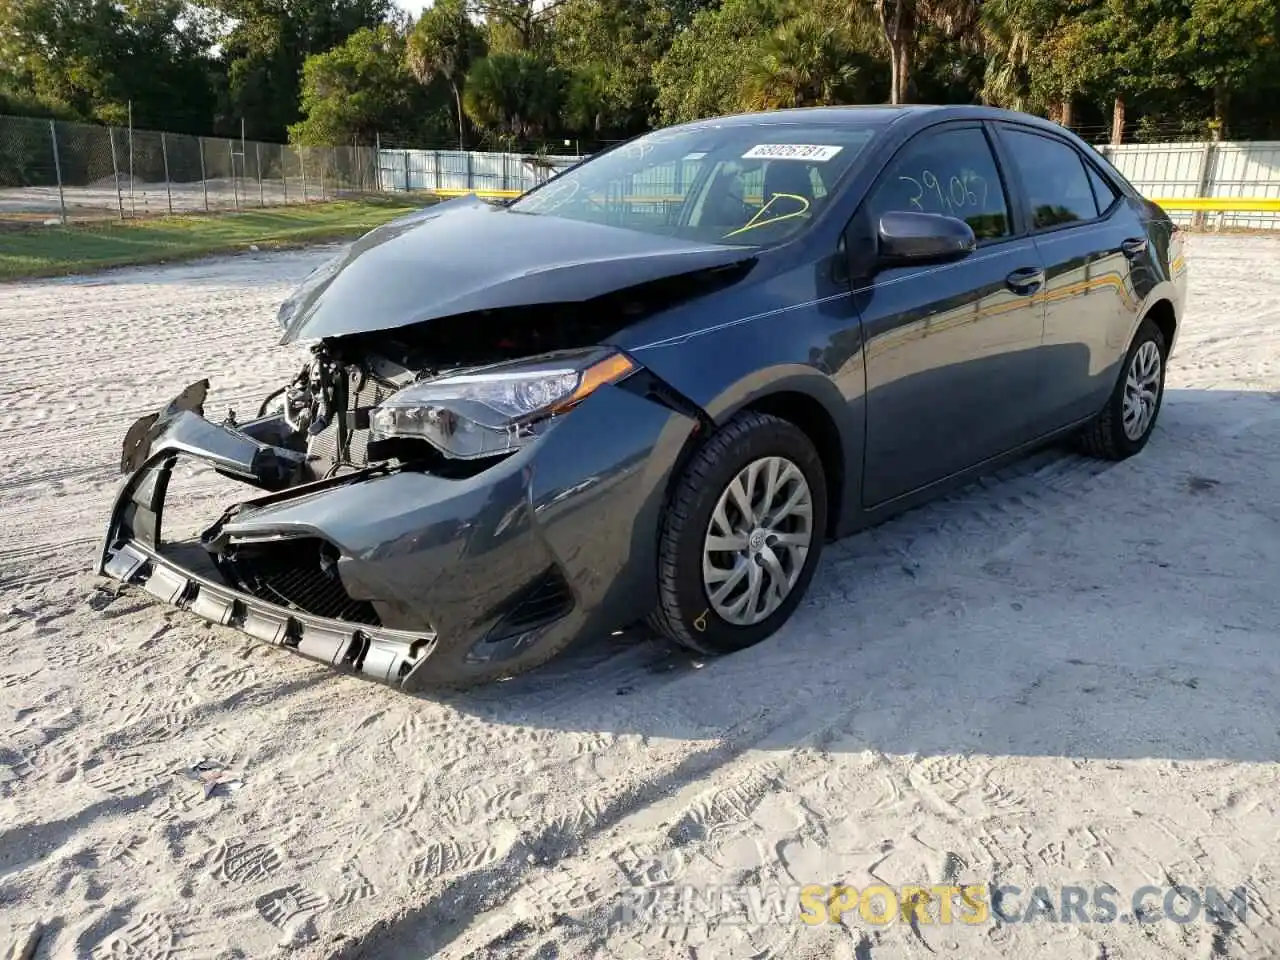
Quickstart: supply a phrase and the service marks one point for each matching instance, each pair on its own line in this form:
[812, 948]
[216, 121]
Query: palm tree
[1031, 61]
[805, 62]
[587, 99]
[1008, 45]
[444, 43]
[901, 21]
[517, 95]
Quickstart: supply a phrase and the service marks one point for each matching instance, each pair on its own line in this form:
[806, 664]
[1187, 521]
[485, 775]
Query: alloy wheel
[1141, 390]
[757, 540]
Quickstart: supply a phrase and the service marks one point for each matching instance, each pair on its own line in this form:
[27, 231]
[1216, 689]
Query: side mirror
[906, 237]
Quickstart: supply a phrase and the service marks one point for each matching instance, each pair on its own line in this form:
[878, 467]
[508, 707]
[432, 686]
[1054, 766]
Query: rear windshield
[755, 185]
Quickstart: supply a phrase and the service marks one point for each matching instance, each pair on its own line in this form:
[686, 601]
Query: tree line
[503, 73]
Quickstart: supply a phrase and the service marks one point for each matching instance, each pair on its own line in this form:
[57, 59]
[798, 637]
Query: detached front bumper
[400, 574]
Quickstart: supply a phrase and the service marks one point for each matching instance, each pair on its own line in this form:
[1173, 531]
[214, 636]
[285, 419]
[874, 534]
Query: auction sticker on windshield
[814, 152]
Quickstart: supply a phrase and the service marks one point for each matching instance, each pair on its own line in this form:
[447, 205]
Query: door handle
[1026, 280]
[1134, 246]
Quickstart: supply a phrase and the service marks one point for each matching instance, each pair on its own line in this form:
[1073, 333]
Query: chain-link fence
[53, 171]
[57, 171]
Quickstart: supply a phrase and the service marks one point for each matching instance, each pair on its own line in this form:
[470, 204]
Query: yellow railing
[500, 194]
[1230, 204]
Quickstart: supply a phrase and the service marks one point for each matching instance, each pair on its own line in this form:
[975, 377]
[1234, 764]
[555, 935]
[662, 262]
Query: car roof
[871, 115]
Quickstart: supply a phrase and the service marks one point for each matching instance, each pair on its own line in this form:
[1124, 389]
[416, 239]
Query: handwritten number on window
[930, 180]
[966, 190]
[915, 201]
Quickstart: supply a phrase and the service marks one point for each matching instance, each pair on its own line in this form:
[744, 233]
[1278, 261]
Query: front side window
[752, 185]
[950, 172]
[1057, 183]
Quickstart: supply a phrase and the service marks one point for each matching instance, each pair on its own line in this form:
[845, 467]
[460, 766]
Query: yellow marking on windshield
[755, 221]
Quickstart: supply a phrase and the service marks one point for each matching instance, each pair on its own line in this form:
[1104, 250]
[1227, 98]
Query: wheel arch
[816, 422]
[811, 402]
[1161, 312]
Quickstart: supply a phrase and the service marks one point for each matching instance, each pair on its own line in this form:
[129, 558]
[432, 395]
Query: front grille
[546, 599]
[324, 445]
[300, 574]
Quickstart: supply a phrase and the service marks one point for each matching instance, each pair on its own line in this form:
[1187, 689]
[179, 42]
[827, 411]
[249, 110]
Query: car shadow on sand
[1061, 607]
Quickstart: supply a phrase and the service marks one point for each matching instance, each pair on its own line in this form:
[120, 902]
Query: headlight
[495, 409]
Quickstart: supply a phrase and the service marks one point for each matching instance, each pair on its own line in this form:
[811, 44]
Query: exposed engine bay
[325, 409]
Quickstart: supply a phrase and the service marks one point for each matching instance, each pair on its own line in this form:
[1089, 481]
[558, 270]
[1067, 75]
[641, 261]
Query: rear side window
[1056, 180]
[951, 172]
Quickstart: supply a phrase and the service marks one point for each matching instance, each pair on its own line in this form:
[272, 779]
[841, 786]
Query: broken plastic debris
[211, 775]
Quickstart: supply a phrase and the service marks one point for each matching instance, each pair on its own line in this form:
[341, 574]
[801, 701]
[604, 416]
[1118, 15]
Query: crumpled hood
[466, 255]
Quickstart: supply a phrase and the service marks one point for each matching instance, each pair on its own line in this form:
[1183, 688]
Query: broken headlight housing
[499, 408]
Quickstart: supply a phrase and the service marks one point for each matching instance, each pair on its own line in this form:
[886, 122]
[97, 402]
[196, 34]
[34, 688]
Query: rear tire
[1124, 425]
[710, 599]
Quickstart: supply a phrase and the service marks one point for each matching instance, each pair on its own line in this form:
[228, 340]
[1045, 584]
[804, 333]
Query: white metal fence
[400, 170]
[1168, 171]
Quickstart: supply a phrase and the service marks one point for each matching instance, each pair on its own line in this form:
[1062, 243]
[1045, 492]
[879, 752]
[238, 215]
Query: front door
[951, 349]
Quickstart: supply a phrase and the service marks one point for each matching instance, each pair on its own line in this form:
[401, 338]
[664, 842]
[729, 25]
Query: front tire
[741, 536]
[1124, 426]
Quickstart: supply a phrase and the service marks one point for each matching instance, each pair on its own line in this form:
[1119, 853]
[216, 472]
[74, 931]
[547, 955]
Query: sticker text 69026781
[813, 152]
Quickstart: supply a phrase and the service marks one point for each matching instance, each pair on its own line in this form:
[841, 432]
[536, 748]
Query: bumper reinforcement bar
[374, 652]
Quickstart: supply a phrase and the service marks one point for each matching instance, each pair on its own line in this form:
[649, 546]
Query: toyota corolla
[653, 387]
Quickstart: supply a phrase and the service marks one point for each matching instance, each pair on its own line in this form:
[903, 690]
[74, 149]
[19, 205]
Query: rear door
[951, 349]
[1090, 240]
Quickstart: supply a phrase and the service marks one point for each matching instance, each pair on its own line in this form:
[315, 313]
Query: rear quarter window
[1103, 192]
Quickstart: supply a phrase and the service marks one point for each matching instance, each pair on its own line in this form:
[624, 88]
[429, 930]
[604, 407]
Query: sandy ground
[1066, 674]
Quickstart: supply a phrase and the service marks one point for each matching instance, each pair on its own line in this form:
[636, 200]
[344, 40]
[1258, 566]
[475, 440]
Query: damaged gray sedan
[653, 387]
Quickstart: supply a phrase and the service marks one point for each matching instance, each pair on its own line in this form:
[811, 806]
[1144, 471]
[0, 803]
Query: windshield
[754, 185]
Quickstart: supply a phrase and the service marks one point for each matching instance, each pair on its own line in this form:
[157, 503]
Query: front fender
[807, 355]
